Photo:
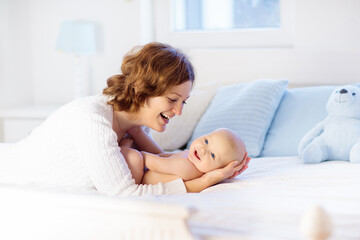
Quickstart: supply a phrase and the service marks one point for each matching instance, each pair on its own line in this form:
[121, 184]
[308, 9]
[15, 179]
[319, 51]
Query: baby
[206, 153]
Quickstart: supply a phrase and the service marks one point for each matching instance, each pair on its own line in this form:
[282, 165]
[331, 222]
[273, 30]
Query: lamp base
[81, 83]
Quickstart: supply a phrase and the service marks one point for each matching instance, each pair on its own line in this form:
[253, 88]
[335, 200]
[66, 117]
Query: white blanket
[268, 200]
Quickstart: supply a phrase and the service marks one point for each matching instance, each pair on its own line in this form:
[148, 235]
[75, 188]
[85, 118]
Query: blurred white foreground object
[316, 224]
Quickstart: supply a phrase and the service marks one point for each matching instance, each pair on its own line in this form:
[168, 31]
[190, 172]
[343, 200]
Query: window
[225, 14]
[224, 23]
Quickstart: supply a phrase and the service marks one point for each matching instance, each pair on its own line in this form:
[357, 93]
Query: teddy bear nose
[342, 91]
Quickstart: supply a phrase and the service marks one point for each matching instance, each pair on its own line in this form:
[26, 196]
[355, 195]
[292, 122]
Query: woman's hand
[126, 142]
[215, 176]
[231, 170]
[246, 161]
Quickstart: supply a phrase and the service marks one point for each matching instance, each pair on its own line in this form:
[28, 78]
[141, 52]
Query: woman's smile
[165, 117]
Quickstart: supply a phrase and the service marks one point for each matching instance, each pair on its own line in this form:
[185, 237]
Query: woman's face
[158, 111]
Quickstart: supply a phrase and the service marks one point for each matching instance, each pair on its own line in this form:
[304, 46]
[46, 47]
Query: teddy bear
[337, 137]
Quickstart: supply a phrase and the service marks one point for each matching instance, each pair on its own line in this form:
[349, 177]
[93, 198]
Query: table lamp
[78, 38]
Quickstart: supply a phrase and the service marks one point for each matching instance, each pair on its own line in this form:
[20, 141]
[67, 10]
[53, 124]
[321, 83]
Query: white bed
[267, 201]
[270, 198]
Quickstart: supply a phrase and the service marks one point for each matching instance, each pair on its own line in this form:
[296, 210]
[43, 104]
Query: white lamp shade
[77, 37]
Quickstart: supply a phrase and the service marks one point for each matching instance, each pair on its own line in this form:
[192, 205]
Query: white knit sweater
[76, 147]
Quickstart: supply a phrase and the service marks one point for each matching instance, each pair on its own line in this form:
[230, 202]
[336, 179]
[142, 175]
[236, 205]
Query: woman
[78, 145]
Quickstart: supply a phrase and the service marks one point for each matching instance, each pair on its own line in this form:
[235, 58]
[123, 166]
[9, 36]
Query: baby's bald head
[234, 145]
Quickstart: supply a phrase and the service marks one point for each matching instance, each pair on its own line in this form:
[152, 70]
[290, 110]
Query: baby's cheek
[206, 167]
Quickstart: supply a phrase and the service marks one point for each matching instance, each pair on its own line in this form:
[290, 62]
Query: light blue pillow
[247, 109]
[299, 111]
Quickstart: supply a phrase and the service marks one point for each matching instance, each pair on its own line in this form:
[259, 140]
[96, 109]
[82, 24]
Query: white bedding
[268, 200]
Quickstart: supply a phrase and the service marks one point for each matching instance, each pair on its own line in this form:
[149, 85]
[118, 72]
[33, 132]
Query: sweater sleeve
[99, 151]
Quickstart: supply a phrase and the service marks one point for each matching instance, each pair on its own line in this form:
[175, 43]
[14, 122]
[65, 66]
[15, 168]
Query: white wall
[15, 59]
[28, 53]
[326, 48]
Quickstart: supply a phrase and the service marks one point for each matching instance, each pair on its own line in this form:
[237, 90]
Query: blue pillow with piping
[247, 109]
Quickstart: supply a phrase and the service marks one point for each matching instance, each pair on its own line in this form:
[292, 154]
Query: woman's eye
[213, 155]
[184, 102]
[206, 141]
[354, 94]
[172, 100]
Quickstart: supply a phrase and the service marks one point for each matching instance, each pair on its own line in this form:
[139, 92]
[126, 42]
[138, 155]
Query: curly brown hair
[147, 72]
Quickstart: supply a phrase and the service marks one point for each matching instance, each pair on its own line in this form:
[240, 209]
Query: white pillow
[179, 129]
[247, 109]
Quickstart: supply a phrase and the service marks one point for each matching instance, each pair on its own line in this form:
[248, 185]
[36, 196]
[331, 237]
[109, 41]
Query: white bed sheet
[268, 200]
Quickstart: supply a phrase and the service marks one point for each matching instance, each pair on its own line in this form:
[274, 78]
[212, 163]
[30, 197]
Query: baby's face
[213, 151]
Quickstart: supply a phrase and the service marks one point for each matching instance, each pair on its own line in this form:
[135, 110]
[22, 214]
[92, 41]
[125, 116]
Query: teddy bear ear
[355, 87]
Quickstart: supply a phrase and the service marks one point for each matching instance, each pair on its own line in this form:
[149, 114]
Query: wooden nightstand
[16, 123]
